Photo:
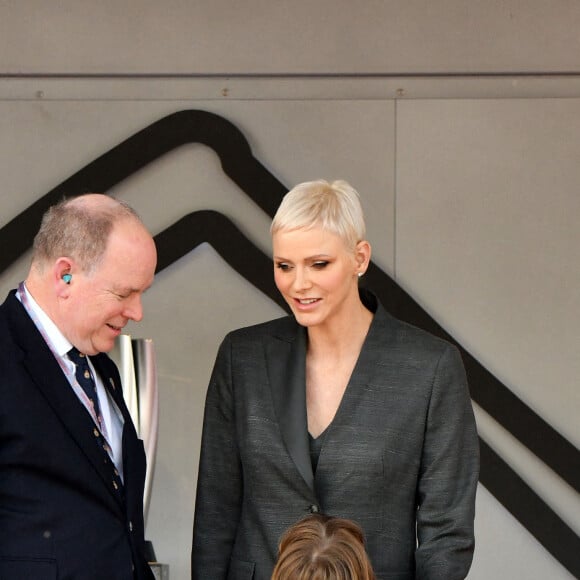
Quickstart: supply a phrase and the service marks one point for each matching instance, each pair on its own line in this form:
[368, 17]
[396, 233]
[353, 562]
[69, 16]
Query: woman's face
[316, 274]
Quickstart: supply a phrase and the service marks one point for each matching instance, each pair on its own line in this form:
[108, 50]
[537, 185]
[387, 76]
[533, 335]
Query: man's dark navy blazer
[60, 514]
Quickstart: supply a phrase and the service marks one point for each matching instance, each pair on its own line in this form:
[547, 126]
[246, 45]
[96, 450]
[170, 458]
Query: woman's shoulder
[408, 336]
[283, 326]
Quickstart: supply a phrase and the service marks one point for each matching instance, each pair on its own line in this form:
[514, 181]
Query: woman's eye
[319, 265]
[283, 266]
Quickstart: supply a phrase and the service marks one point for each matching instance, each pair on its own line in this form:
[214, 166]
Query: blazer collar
[286, 360]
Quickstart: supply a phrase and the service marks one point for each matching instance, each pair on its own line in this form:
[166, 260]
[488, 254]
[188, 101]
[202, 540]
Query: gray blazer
[401, 456]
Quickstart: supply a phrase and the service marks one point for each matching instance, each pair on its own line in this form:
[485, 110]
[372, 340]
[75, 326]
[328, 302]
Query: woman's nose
[301, 279]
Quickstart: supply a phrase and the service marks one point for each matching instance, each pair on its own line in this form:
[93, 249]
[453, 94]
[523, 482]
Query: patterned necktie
[85, 378]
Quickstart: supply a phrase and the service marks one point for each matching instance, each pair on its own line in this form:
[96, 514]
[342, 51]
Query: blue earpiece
[67, 278]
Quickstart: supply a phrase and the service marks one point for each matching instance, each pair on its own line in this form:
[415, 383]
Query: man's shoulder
[11, 313]
[9, 303]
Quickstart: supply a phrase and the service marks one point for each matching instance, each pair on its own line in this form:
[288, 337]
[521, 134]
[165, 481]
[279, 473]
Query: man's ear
[62, 273]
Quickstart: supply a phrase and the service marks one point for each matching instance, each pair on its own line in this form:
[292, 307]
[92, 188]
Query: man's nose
[134, 308]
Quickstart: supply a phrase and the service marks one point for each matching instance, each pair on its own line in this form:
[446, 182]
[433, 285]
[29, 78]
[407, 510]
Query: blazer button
[313, 509]
[130, 526]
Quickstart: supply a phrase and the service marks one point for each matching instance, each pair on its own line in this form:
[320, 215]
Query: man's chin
[104, 346]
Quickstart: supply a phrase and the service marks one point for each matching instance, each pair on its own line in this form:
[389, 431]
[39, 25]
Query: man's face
[101, 302]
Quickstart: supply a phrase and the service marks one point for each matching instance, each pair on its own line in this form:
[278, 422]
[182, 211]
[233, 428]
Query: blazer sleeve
[448, 477]
[219, 483]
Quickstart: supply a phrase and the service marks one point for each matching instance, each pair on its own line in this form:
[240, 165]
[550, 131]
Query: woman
[340, 409]
[321, 547]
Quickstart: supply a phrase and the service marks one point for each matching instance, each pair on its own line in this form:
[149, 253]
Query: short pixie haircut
[322, 547]
[335, 206]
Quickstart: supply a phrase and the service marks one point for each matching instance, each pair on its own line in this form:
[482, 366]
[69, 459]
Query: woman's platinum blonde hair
[335, 206]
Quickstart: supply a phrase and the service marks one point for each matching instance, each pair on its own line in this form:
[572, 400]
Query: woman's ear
[362, 257]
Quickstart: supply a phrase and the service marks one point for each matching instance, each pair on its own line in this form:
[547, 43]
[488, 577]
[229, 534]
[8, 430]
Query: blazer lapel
[369, 362]
[73, 416]
[134, 460]
[112, 382]
[286, 361]
[50, 380]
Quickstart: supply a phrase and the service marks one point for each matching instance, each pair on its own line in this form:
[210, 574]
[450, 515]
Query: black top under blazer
[61, 517]
[401, 456]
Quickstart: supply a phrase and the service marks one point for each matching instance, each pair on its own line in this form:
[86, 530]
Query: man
[72, 468]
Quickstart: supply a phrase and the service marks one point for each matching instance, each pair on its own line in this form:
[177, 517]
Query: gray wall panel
[259, 36]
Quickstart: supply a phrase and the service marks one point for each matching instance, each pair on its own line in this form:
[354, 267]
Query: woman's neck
[341, 335]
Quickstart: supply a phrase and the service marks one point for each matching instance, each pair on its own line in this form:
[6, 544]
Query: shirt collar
[57, 342]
